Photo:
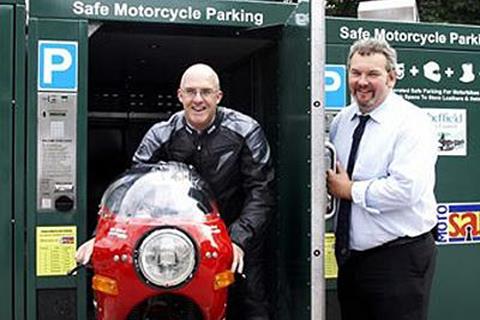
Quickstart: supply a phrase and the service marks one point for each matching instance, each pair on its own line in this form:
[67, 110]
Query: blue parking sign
[57, 65]
[335, 86]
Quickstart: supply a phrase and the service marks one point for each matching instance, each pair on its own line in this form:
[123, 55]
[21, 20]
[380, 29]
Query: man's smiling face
[199, 94]
[369, 81]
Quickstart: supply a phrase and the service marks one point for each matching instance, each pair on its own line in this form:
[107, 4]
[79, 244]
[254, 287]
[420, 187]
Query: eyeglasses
[204, 92]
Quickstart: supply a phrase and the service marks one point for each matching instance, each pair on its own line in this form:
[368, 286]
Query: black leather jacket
[233, 156]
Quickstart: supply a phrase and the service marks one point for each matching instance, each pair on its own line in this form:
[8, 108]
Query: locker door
[6, 161]
[56, 167]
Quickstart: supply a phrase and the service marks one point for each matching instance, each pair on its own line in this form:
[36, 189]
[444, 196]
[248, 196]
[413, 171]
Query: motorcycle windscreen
[166, 190]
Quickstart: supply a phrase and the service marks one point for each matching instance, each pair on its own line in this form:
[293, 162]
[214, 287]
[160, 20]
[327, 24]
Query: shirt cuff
[359, 195]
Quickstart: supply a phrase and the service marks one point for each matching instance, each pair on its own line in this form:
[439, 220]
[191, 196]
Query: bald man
[230, 151]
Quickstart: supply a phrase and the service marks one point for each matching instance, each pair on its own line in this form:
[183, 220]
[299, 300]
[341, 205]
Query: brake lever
[78, 267]
[240, 276]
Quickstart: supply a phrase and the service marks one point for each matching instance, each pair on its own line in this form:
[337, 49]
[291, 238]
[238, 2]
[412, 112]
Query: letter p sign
[57, 65]
[335, 87]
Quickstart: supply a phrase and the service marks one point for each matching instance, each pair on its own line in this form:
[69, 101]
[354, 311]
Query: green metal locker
[12, 100]
[55, 192]
[439, 71]
[6, 141]
[130, 57]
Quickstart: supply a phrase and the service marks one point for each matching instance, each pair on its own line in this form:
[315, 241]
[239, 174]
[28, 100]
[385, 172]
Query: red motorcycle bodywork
[114, 254]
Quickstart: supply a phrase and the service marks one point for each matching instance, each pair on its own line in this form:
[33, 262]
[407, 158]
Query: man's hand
[84, 252]
[237, 264]
[339, 184]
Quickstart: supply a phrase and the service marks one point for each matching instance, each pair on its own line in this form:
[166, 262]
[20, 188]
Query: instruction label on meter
[56, 250]
[331, 268]
[57, 118]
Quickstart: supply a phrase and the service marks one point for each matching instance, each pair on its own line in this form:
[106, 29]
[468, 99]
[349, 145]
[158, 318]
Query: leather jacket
[233, 156]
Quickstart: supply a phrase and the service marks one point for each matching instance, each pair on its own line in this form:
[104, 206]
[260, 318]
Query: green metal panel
[19, 163]
[456, 279]
[62, 30]
[6, 160]
[293, 169]
[19, 2]
[232, 13]
[453, 48]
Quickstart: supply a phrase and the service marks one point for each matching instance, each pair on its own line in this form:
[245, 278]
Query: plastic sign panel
[451, 127]
[331, 268]
[56, 247]
[57, 65]
[335, 86]
[220, 12]
[458, 223]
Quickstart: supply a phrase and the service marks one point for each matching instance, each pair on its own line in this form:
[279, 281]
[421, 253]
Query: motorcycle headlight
[166, 257]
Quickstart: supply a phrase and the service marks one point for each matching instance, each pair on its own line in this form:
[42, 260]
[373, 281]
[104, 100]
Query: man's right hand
[84, 252]
[237, 264]
[339, 184]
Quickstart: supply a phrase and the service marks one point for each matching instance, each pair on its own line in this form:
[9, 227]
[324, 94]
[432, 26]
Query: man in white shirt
[385, 178]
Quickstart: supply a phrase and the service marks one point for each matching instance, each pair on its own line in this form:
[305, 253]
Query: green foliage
[342, 8]
[459, 11]
[448, 11]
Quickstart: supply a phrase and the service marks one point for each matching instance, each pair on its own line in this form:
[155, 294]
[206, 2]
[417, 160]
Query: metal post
[318, 166]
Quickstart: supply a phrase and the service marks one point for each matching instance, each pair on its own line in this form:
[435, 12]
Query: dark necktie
[342, 234]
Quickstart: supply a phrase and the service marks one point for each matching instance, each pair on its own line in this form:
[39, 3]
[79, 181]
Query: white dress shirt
[394, 173]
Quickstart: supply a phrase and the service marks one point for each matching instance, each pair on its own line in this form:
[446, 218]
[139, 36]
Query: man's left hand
[237, 264]
[339, 184]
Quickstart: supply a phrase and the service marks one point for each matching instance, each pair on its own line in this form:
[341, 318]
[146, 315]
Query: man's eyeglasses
[204, 93]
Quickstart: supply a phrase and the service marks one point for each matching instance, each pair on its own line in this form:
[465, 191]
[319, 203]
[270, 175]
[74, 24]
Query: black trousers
[389, 282]
[248, 298]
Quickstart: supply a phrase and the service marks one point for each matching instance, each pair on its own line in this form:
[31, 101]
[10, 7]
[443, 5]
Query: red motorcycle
[161, 249]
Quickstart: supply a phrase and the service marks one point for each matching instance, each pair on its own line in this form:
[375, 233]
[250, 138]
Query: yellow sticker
[56, 250]
[331, 269]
